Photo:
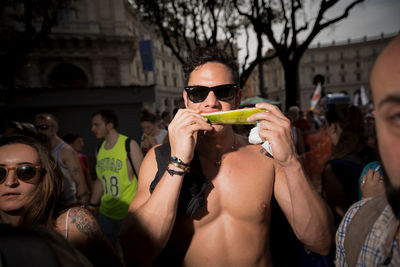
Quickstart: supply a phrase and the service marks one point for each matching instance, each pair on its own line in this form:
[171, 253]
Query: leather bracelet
[179, 164]
[173, 172]
[178, 161]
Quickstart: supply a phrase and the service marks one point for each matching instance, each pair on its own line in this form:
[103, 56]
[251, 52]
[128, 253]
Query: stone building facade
[92, 46]
[85, 65]
[345, 67]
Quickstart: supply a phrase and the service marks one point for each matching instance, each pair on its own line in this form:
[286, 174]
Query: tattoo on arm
[85, 223]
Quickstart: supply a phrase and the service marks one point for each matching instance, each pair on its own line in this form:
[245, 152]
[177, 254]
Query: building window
[328, 80]
[63, 12]
[138, 71]
[175, 83]
[163, 63]
[165, 80]
[312, 58]
[166, 101]
[326, 57]
[173, 66]
[341, 55]
[357, 64]
[357, 53]
[343, 78]
[358, 76]
[327, 67]
[374, 51]
[145, 76]
[342, 66]
[312, 69]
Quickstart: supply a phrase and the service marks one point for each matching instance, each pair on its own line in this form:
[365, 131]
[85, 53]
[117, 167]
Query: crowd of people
[197, 193]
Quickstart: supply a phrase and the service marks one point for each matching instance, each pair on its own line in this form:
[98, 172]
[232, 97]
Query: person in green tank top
[116, 185]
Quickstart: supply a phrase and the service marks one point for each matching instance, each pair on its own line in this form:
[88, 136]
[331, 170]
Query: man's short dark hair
[148, 116]
[202, 55]
[164, 114]
[108, 116]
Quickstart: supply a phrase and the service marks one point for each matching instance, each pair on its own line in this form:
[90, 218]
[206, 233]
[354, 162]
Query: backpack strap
[360, 226]
[128, 153]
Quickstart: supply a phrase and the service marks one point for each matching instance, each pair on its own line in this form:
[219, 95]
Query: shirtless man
[75, 188]
[231, 227]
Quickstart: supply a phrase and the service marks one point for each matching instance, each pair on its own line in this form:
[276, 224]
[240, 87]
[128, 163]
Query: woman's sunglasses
[198, 93]
[24, 172]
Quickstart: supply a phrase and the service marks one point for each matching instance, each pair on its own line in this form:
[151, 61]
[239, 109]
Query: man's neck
[156, 131]
[221, 142]
[55, 141]
[111, 138]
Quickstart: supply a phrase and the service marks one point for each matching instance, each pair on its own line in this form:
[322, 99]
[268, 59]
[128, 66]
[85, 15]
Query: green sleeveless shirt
[112, 170]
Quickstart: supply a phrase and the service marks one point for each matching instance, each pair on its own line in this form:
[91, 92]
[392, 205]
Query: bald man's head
[385, 75]
[385, 87]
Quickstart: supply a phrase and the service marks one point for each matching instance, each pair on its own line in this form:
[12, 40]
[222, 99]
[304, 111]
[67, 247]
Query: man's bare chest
[240, 189]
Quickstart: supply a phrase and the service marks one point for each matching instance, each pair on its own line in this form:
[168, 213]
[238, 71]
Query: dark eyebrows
[26, 162]
[390, 99]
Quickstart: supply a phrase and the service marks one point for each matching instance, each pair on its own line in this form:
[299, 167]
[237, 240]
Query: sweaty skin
[232, 229]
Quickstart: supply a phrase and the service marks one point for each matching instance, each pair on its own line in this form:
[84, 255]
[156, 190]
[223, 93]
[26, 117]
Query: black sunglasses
[198, 93]
[24, 172]
[42, 126]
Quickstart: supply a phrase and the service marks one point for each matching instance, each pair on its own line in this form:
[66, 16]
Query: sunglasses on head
[198, 93]
[24, 172]
[42, 126]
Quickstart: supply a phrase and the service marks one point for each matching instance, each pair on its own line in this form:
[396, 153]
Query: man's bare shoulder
[147, 173]
[67, 150]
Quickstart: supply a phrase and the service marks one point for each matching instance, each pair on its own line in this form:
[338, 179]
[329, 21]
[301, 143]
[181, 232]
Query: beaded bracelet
[178, 161]
[91, 207]
[179, 164]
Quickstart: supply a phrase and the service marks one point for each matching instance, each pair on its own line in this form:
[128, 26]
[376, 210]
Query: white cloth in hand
[254, 138]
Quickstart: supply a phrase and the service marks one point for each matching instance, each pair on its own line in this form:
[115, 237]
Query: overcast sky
[370, 19]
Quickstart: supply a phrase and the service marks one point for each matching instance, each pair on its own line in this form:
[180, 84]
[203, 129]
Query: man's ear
[109, 125]
[338, 129]
[238, 98]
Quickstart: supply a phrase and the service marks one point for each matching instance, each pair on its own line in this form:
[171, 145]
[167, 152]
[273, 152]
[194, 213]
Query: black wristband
[173, 172]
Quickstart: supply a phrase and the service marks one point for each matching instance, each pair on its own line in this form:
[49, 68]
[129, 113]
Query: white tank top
[69, 183]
